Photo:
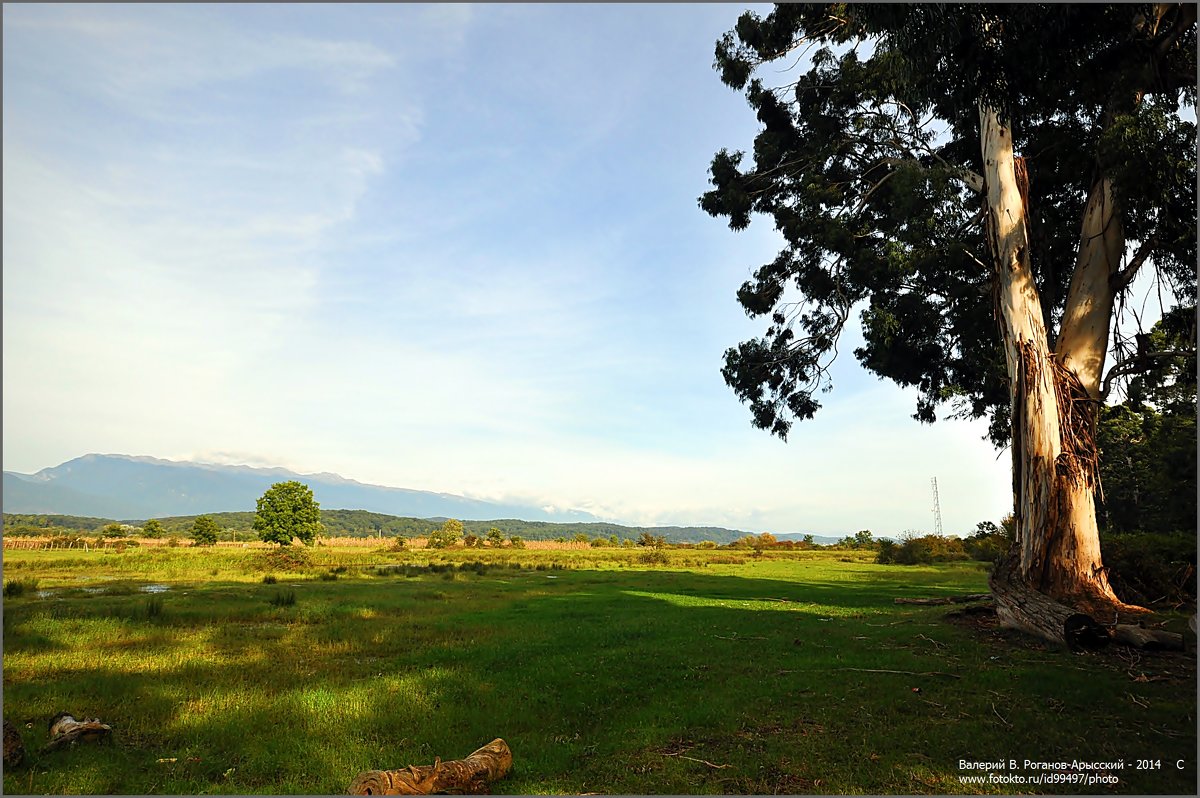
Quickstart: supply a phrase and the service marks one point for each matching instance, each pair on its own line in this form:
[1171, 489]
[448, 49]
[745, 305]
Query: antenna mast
[937, 510]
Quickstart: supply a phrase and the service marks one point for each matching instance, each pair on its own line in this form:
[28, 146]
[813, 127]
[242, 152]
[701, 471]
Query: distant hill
[360, 523]
[120, 486]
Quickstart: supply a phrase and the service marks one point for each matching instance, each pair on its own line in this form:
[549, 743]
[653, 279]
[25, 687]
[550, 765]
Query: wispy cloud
[452, 248]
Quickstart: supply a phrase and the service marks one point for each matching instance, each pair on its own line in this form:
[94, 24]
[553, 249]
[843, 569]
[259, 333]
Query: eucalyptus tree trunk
[1054, 397]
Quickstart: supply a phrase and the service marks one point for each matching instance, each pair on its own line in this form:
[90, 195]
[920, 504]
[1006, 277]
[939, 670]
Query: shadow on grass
[612, 681]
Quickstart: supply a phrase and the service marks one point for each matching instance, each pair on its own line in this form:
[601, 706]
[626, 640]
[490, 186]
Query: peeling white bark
[1057, 541]
[1083, 340]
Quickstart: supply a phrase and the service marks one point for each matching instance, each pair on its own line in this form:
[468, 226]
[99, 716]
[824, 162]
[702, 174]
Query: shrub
[987, 548]
[517, 542]
[651, 541]
[1152, 568]
[653, 556]
[399, 543]
[445, 536]
[269, 579]
[927, 549]
[173, 541]
[154, 607]
[328, 576]
[287, 558]
[887, 552]
[284, 598]
[17, 587]
[472, 541]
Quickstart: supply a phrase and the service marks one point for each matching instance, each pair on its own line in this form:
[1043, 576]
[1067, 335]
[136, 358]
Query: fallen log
[470, 776]
[946, 599]
[1020, 606]
[1141, 637]
[65, 730]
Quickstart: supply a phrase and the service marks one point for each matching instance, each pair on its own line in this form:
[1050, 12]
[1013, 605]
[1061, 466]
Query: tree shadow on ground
[614, 681]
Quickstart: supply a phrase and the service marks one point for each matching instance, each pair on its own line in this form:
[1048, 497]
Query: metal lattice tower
[937, 510]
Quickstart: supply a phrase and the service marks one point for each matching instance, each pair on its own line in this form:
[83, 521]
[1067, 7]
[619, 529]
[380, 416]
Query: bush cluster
[921, 550]
[1152, 569]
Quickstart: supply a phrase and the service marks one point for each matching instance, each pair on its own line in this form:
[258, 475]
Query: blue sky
[451, 248]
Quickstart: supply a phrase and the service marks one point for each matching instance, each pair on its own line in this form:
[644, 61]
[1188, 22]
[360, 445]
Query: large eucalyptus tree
[986, 182]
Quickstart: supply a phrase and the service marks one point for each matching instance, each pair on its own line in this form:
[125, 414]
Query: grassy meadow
[715, 672]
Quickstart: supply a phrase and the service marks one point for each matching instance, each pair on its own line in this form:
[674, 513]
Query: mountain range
[128, 488]
[121, 486]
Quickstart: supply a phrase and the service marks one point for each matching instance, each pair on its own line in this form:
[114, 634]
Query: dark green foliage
[495, 537]
[269, 579]
[51, 524]
[287, 510]
[862, 160]
[1148, 443]
[153, 528]
[922, 550]
[653, 556]
[18, 587]
[651, 541]
[204, 531]
[153, 608]
[1153, 569]
[283, 598]
[285, 559]
[472, 541]
[863, 539]
[447, 535]
[361, 523]
[989, 541]
[114, 531]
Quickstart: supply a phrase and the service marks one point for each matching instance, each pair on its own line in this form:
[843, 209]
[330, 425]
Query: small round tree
[447, 535]
[204, 531]
[495, 537]
[287, 510]
[153, 528]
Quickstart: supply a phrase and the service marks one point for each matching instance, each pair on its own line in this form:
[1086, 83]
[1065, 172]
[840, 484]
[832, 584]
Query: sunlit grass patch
[601, 678]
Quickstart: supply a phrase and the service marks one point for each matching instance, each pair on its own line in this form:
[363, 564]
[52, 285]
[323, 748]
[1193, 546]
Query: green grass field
[713, 673]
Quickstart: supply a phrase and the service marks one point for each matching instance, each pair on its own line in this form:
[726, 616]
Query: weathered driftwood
[471, 775]
[65, 730]
[14, 749]
[1139, 636]
[946, 599]
[1020, 606]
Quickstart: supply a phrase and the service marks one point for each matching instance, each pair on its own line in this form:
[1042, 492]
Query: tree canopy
[446, 535]
[287, 510]
[869, 165]
[204, 531]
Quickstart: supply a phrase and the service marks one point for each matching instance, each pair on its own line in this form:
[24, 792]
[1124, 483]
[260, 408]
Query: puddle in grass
[155, 588]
